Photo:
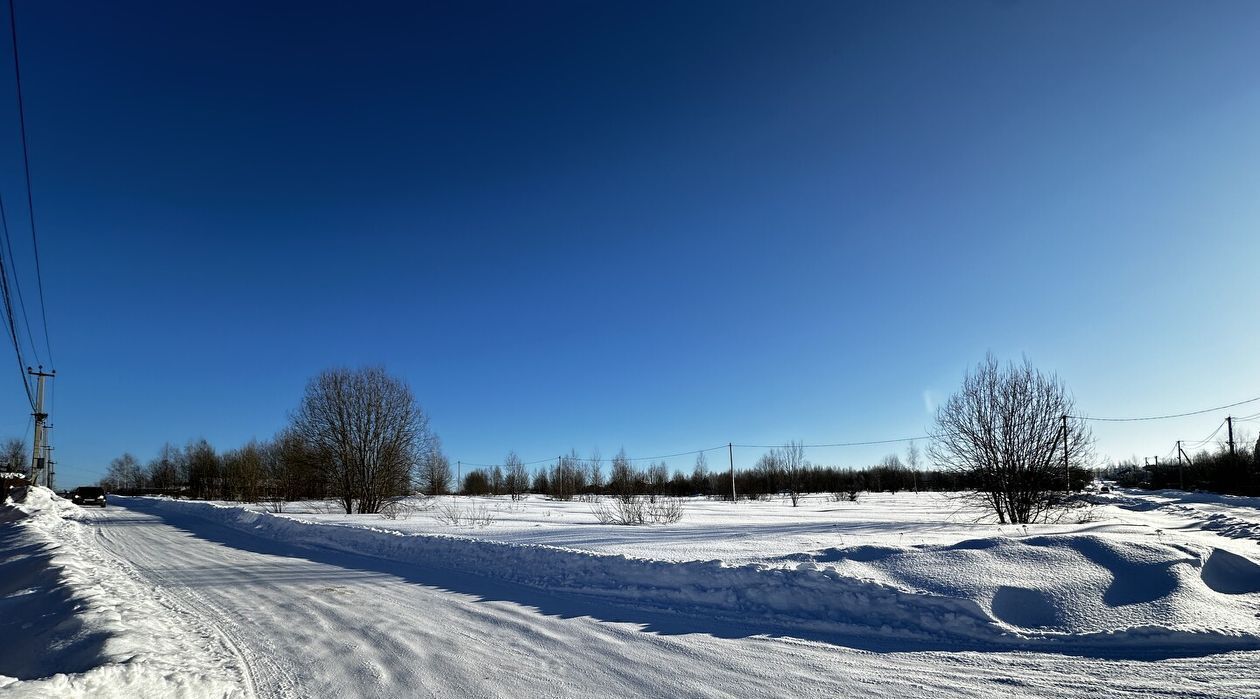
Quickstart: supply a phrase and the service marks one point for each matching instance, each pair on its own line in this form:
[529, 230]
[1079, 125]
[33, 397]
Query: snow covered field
[894, 595]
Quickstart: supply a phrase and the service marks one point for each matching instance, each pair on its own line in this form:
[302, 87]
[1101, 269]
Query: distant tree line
[780, 471]
[357, 436]
[1214, 470]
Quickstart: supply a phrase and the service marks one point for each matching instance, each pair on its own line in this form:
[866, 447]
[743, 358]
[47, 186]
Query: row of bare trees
[1010, 436]
[358, 435]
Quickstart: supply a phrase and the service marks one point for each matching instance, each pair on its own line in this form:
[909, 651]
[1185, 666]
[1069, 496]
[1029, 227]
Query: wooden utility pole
[37, 451]
[1230, 422]
[730, 453]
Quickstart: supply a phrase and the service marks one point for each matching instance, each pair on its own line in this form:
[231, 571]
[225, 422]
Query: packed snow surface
[894, 595]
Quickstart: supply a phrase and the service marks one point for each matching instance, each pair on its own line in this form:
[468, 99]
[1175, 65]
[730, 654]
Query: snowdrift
[1065, 593]
[1086, 587]
[75, 625]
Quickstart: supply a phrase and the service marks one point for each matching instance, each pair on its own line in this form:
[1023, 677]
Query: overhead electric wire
[1204, 440]
[681, 453]
[922, 436]
[26, 167]
[837, 444]
[17, 282]
[10, 323]
[1164, 417]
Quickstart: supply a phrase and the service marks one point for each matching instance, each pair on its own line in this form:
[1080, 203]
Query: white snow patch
[73, 623]
[1047, 591]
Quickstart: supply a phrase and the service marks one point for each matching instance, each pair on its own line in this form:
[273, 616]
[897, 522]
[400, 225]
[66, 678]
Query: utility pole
[37, 451]
[459, 475]
[1181, 478]
[1067, 469]
[730, 453]
[1230, 421]
[50, 480]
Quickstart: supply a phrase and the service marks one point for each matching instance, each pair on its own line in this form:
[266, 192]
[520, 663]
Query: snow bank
[982, 593]
[74, 624]
[1085, 587]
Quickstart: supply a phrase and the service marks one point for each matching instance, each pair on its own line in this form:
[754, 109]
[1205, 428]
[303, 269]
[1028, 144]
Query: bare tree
[595, 471]
[123, 473]
[243, 472]
[792, 460]
[164, 469]
[435, 474]
[621, 480]
[292, 470]
[657, 479]
[205, 469]
[1004, 430]
[517, 478]
[368, 432]
[14, 456]
[700, 475]
[913, 461]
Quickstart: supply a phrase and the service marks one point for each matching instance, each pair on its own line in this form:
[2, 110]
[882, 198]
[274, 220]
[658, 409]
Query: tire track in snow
[260, 673]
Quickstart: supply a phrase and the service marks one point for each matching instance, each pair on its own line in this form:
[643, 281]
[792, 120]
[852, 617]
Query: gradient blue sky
[658, 226]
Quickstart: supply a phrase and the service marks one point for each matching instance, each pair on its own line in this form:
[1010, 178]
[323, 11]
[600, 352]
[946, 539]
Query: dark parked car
[88, 495]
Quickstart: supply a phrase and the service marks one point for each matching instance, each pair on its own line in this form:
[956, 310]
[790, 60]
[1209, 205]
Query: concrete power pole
[730, 453]
[37, 451]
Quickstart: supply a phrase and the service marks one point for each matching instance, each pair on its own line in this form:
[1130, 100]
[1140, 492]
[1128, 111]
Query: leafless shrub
[453, 514]
[637, 509]
[626, 510]
[1005, 430]
[450, 514]
[665, 510]
[398, 508]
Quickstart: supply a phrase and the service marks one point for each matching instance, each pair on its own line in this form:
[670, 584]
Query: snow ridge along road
[253, 609]
[1114, 597]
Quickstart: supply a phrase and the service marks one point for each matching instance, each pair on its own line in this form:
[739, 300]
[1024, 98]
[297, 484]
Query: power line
[837, 444]
[1207, 439]
[681, 453]
[8, 312]
[1164, 417]
[17, 283]
[26, 167]
[899, 440]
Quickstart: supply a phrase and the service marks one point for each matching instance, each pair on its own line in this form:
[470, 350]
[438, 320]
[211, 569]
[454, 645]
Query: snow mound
[1085, 586]
[1057, 592]
[1231, 574]
[74, 624]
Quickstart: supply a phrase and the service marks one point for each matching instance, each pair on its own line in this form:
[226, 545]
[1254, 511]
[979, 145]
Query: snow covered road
[288, 620]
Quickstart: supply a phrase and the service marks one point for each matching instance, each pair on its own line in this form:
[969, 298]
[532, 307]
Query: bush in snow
[1005, 429]
[453, 514]
[638, 509]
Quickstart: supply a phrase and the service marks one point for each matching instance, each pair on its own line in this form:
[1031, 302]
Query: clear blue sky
[659, 226]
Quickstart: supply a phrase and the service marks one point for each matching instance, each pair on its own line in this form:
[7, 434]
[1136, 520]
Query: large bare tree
[14, 456]
[367, 431]
[1004, 429]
